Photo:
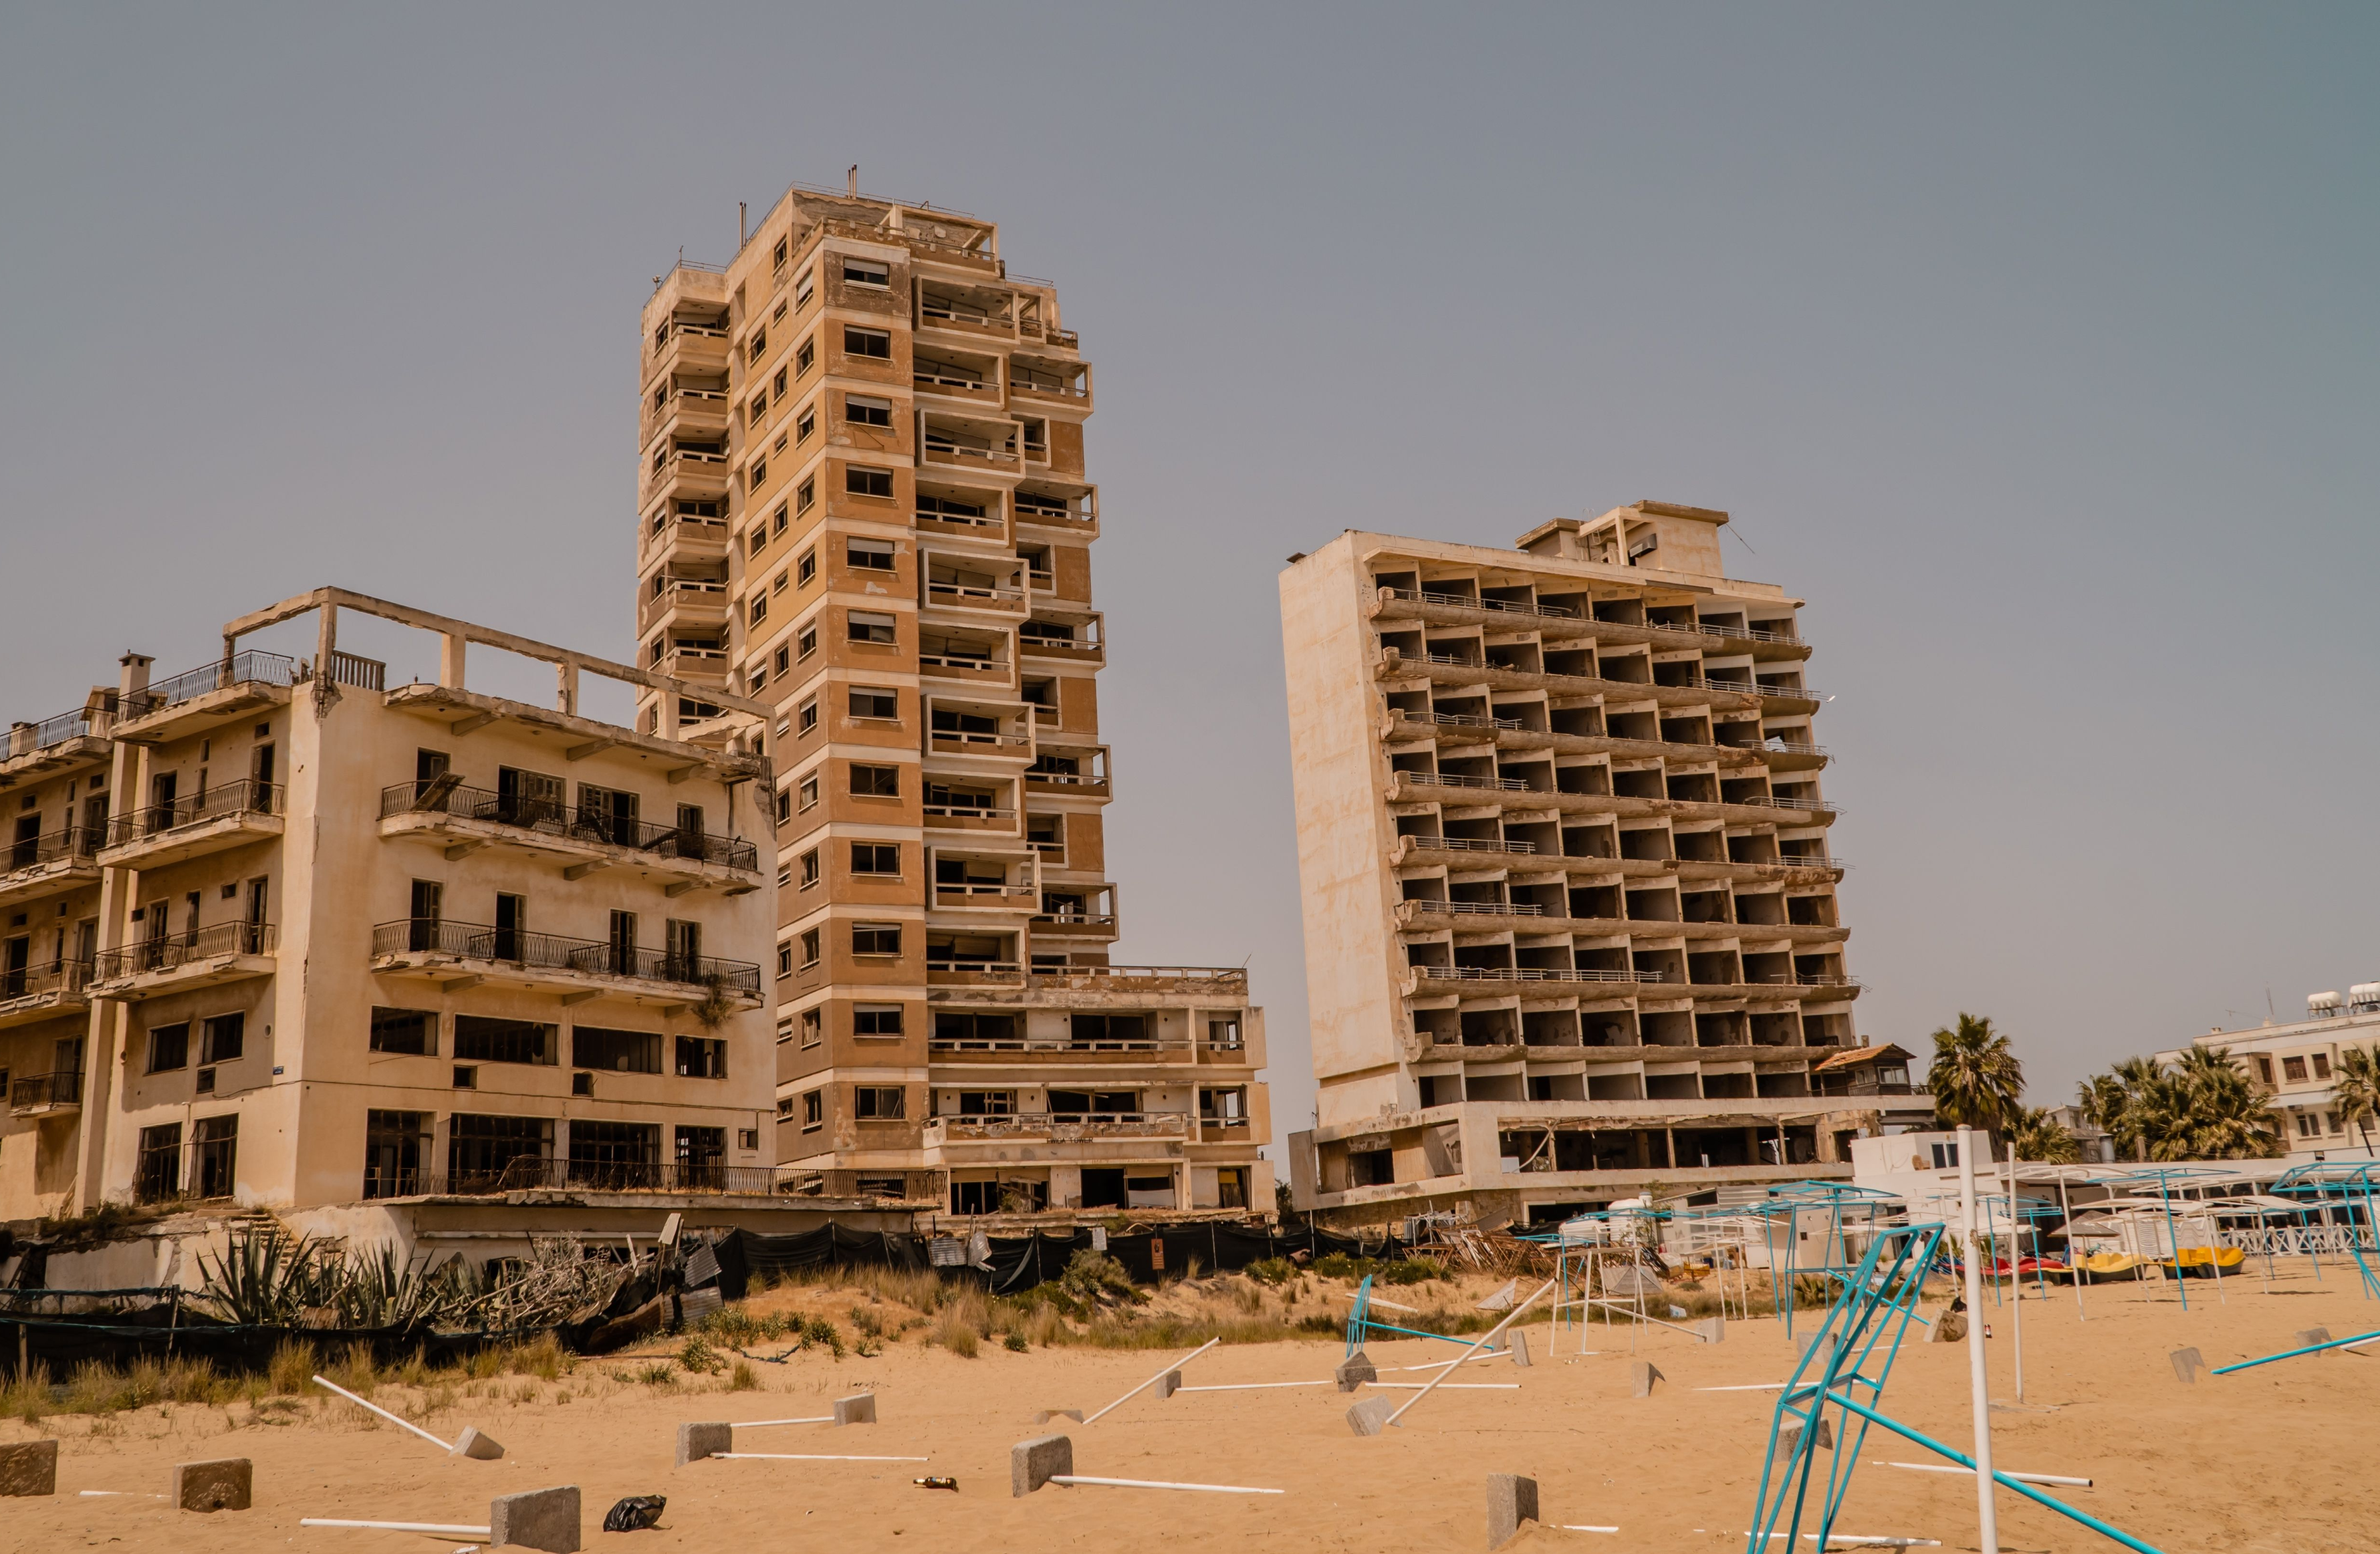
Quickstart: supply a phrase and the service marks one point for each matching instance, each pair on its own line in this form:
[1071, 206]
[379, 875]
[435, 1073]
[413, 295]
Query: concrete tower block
[29, 1467]
[1032, 1464]
[543, 1519]
[697, 1441]
[223, 1484]
[1371, 1416]
[859, 1409]
[1355, 1370]
[1511, 1500]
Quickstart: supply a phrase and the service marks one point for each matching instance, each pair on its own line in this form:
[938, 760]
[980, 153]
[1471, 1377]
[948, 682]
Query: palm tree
[2132, 1077]
[2034, 1134]
[2231, 1118]
[1975, 1079]
[2157, 1120]
[2100, 1099]
[2355, 1086]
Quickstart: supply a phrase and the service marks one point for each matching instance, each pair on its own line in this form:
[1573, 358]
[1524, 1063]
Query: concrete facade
[1570, 907]
[2297, 1062]
[313, 937]
[864, 502]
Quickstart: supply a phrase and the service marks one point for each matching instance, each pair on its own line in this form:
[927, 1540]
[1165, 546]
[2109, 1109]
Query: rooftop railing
[550, 818]
[553, 951]
[246, 797]
[173, 951]
[251, 667]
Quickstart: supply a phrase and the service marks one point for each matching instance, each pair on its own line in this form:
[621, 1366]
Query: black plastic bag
[635, 1514]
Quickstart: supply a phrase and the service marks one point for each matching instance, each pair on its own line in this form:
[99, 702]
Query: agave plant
[264, 1278]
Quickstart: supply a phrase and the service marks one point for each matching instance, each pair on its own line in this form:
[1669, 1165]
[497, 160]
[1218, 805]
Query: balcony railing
[1867, 1087]
[950, 310]
[241, 669]
[1061, 1044]
[38, 981]
[1230, 977]
[945, 374]
[547, 817]
[246, 797]
[1110, 1124]
[528, 1172]
[966, 595]
[1529, 974]
[1457, 720]
[968, 895]
[968, 812]
[1457, 779]
[1468, 845]
[980, 741]
[1477, 908]
[970, 520]
[1077, 920]
[969, 964]
[35, 1091]
[553, 952]
[73, 842]
[83, 723]
[1556, 612]
[962, 660]
[1781, 801]
[172, 951]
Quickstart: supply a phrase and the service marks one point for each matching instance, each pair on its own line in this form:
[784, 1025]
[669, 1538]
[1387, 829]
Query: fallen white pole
[1751, 1387]
[1253, 1386]
[1636, 1315]
[1154, 1379]
[1375, 1300]
[1441, 1365]
[1575, 1527]
[1452, 1385]
[1871, 1542]
[804, 1457]
[2020, 1477]
[1157, 1484]
[375, 1408]
[757, 1423]
[1482, 1341]
[110, 1494]
[449, 1529]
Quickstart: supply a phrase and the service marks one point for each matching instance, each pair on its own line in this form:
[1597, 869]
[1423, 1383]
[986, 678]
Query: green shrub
[1272, 1270]
[1338, 1265]
[1412, 1271]
[1091, 1274]
[698, 1357]
[1015, 1343]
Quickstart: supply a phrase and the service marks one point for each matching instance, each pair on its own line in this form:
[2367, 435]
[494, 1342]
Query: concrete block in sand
[1642, 1375]
[2313, 1336]
[1520, 1342]
[1045, 1415]
[2187, 1363]
[1371, 1416]
[29, 1467]
[1511, 1500]
[858, 1409]
[1169, 1384]
[1355, 1370]
[708, 1439]
[1032, 1464]
[1714, 1329]
[472, 1444]
[223, 1484]
[544, 1519]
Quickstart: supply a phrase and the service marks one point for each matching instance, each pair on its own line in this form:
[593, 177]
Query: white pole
[1482, 1341]
[1154, 1379]
[2073, 1250]
[2020, 1477]
[448, 1529]
[405, 1424]
[1979, 1385]
[804, 1457]
[1157, 1484]
[758, 1424]
[2016, 1276]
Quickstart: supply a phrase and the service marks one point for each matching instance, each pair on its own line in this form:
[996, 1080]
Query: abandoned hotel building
[864, 503]
[1570, 909]
[276, 931]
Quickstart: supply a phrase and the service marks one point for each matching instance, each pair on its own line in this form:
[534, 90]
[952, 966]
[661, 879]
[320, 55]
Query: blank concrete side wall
[1343, 835]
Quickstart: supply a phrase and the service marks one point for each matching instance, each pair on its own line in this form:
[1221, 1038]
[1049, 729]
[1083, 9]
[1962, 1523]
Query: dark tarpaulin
[60, 1344]
[1020, 1262]
[758, 1255]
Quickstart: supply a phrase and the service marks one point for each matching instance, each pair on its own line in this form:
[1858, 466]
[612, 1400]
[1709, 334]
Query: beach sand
[2275, 1459]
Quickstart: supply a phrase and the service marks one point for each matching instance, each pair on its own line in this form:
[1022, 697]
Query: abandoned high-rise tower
[1571, 922]
[863, 500]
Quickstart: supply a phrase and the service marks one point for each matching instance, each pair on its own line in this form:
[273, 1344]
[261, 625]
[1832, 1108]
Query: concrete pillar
[1511, 1500]
[451, 647]
[566, 689]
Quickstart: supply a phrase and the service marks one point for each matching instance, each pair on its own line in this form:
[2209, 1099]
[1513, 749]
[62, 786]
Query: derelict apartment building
[276, 929]
[864, 502]
[1569, 907]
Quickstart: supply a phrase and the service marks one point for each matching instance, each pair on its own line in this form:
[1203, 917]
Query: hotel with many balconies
[864, 502]
[1570, 921]
[282, 932]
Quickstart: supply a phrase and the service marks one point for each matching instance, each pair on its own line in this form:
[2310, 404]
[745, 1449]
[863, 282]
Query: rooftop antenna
[739, 226]
[852, 180]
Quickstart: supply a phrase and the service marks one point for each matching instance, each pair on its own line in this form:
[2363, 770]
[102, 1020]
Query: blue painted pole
[2293, 1353]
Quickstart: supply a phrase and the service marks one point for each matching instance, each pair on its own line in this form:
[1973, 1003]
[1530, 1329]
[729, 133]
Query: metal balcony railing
[1456, 720]
[553, 952]
[39, 981]
[1468, 845]
[1477, 908]
[972, 964]
[72, 842]
[967, 812]
[37, 1090]
[1556, 612]
[1529, 974]
[1456, 780]
[547, 817]
[241, 669]
[246, 797]
[50, 733]
[1112, 1124]
[524, 1173]
[173, 951]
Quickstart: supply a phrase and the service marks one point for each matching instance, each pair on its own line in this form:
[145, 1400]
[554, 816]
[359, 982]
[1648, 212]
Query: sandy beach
[2264, 1462]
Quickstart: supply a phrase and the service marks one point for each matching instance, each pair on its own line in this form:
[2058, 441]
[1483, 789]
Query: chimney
[135, 677]
[852, 181]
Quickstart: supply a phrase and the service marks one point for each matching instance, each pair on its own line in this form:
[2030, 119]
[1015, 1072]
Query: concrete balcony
[968, 818]
[44, 865]
[693, 476]
[976, 599]
[1471, 731]
[1073, 925]
[1446, 608]
[1476, 916]
[1428, 980]
[1051, 504]
[1452, 669]
[1061, 768]
[690, 347]
[44, 992]
[1059, 1127]
[206, 697]
[978, 445]
[971, 973]
[969, 312]
[694, 604]
[178, 963]
[1513, 793]
[966, 667]
[463, 820]
[458, 955]
[1036, 381]
[37, 1095]
[986, 898]
[686, 534]
[1074, 636]
[234, 815]
[946, 375]
[69, 742]
[700, 414]
[702, 667]
[990, 746]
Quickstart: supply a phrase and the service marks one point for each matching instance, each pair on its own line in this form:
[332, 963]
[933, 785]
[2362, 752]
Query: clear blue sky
[2033, 346]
